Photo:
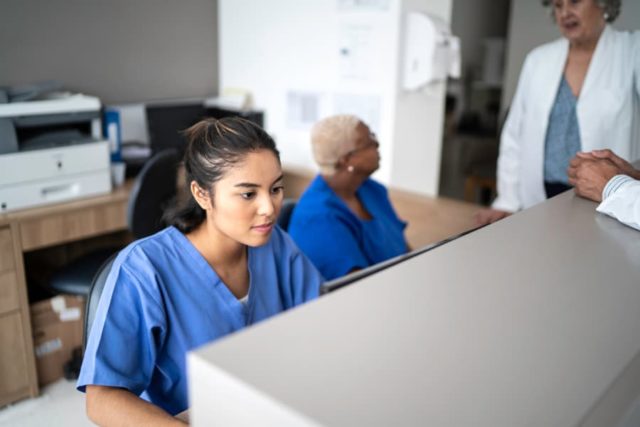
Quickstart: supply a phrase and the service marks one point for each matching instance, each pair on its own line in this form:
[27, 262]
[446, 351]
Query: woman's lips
[263, 228]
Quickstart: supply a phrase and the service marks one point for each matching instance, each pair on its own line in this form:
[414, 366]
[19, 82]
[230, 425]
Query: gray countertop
[531, 321]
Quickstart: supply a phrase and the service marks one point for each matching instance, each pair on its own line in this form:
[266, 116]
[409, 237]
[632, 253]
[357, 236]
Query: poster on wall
[303, 109]
[366, 107]
[358, 53]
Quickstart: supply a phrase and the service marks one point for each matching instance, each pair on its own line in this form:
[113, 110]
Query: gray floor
[59, 404]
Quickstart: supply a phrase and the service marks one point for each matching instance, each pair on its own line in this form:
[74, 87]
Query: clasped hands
[588, 172]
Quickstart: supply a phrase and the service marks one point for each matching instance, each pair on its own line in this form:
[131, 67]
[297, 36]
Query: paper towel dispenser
[431, 54]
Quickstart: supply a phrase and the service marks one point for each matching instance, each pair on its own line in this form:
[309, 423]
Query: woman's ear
[342, 163]
[201, 196]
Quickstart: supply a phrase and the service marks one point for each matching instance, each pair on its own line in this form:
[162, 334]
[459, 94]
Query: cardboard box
[57, 325]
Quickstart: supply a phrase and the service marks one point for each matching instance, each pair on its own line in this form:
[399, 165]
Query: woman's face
[247, 199]
[580, 21]
[364, 157]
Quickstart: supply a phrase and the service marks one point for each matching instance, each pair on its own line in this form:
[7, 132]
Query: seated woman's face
[248, 198]
[365, 156]
[579, 20]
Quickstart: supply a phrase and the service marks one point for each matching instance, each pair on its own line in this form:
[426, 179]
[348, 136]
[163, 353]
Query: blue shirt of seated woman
[344, 221]
[223, 265]
[335, 239]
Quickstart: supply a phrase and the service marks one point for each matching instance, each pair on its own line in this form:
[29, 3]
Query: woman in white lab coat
[578, 93]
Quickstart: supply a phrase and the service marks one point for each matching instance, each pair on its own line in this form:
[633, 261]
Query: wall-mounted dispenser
[431, 54]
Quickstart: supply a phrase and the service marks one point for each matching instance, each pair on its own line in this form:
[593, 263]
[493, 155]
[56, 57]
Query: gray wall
[119, 50]
[531, 25]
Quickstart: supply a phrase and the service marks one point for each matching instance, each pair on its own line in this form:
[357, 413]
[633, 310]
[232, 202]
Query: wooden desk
[531, 321]
[28, 230]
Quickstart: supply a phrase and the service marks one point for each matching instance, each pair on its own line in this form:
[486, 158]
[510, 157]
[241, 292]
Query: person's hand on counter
[488, 216]
[589, 174]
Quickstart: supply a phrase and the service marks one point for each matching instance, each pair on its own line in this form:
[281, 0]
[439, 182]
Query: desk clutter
[57, 328]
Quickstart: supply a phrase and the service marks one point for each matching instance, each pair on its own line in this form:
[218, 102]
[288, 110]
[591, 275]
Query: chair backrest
[97, 285]
[285, 213]
[154, 188]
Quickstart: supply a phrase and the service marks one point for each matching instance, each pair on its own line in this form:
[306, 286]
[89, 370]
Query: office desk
[32, 229]
[531, 321]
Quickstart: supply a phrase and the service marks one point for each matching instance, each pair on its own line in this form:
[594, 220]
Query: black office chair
[154, 188]
[285, 213]
[95, 291]
[72, 367]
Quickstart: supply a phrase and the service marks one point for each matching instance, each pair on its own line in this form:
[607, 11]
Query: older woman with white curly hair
[344, 221]
[578, 93]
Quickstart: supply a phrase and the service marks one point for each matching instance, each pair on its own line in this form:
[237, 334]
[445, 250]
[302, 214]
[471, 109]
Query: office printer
[51, 147]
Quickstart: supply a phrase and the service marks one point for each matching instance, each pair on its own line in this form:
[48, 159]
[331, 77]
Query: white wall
[288, 46]
[531, 25]
[419, 122]
[119, 50]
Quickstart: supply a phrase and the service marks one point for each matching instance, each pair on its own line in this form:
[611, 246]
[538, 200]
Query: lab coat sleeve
[508, 173]
[622, 201]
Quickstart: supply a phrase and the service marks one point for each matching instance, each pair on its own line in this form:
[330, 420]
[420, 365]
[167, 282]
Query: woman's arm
[111, 406]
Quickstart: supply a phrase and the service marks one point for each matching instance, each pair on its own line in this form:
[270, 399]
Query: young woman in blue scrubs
[345, 221]
[221, 266]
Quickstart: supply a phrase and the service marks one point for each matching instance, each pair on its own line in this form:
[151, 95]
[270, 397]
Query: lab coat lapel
[547, 89]
[544, 87]
[598, 62]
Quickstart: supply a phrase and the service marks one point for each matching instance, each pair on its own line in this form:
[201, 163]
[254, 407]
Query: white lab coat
[624, 204]
[608, 112]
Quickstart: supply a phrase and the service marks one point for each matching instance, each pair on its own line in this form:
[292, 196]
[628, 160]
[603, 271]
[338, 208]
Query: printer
[51, 147]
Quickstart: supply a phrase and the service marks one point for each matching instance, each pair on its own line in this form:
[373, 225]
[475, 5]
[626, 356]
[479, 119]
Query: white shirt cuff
[614, 185]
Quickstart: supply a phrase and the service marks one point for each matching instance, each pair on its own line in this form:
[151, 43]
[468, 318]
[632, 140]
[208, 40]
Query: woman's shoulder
[138, 255]
[630, 39]
[318, 201]
[541, 52]
[317, 191]
[158, 241]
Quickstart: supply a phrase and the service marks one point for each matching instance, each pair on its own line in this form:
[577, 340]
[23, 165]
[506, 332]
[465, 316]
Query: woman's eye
[248, 196]
[278, 189]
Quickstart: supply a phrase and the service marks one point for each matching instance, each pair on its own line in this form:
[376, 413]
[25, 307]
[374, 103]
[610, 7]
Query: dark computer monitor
[341, 282]
[166, 121]
[252, 115]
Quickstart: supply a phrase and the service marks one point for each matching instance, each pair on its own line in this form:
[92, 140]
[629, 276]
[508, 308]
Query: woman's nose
[266, 206]
[562, 9]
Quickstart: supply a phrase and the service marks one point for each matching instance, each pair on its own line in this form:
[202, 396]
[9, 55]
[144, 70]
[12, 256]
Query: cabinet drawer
[7, 261]
[8, 291]
[69, 226]
[13, 359]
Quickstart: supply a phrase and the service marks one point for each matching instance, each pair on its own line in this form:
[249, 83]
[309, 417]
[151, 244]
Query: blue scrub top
[335, 239]
[163, 299]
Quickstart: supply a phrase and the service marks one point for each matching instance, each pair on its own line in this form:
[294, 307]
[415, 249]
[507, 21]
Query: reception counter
[531, 321]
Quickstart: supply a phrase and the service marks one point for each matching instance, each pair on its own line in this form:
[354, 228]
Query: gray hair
[332, 138]
[611, 8]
